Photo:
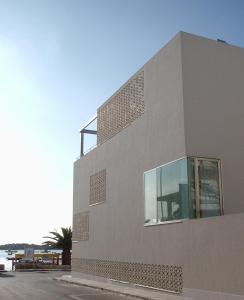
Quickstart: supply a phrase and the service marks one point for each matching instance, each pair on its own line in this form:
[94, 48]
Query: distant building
[160, 201]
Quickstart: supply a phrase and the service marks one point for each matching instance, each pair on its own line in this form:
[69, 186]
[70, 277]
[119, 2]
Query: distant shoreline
[20, 246]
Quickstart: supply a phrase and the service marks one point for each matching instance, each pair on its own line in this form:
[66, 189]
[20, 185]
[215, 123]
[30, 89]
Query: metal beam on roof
[89, 122]
[89, 131]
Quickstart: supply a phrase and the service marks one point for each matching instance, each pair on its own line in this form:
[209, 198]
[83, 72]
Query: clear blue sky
[60, 60]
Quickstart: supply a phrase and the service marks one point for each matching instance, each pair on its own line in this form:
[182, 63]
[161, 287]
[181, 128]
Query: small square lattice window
[81, 227]
[98, 187]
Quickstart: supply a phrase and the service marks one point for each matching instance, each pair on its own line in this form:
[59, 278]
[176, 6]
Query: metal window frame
[197, 196]
[197, 192]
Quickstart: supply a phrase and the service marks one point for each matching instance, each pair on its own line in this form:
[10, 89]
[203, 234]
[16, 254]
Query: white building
[160, 200]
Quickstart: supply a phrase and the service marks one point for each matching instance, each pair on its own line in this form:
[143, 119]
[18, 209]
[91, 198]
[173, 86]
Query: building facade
[159, 202]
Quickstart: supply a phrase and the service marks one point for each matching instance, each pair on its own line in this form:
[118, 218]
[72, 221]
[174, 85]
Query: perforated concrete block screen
[98, 187]
[122, 109]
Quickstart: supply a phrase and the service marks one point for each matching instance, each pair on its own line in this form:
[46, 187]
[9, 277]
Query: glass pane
[150, 197]
[191, 189]
[209, 188]
[172, 191]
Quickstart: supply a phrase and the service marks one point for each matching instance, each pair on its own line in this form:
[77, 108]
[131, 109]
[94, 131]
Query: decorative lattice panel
[122, 109]
[98, 187]
[158, 276]
[81, 227]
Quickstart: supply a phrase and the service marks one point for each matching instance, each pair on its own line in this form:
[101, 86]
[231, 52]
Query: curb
[127, 291]
[103, 289]
[38, 270]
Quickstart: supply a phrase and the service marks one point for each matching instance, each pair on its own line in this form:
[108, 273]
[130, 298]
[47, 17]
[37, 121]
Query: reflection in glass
[209, 192]
[191, 188]
[172, 191]
[150, 196]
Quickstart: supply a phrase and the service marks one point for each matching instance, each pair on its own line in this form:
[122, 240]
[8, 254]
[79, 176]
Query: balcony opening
[88, 134]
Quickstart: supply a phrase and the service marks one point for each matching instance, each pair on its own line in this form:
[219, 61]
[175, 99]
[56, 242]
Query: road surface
[40, 286]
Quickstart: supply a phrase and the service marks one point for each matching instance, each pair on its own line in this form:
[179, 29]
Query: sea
[3, 259]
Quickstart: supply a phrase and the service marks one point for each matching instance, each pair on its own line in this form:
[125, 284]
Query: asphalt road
[40, 286]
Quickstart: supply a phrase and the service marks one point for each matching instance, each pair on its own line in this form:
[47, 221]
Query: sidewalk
[119, 287]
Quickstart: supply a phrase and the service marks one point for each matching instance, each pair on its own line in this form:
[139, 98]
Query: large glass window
[172, 191]
[186, 188]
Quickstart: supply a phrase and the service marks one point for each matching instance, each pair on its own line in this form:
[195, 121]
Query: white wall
[213, 89]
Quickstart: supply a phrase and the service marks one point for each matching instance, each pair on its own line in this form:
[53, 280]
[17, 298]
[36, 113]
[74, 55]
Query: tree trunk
[66, 257]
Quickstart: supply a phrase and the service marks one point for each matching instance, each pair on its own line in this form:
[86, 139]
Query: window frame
[196, 160]
[220, 181]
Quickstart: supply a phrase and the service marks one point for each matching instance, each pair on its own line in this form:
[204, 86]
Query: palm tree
[61, 241]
